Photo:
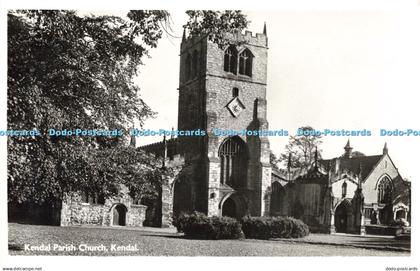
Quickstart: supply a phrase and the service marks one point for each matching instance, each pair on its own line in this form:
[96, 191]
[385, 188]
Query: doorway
[341, 217]
[119, 215]
[229, 208]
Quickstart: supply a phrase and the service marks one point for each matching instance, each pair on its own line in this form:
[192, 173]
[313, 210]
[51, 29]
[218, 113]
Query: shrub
[226, 228]
[273, 227]
[199, 226]
[300, 229]
[180, 221]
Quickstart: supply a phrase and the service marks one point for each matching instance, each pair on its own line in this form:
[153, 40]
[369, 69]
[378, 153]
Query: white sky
[327, 69]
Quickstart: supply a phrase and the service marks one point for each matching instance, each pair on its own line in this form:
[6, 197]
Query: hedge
[199, 226]
[273, 227]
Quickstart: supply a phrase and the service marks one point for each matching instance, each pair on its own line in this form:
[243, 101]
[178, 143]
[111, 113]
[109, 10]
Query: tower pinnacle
[348, 149]
[385, 149]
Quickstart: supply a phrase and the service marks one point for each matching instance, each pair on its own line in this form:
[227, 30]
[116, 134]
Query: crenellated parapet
[245, 37]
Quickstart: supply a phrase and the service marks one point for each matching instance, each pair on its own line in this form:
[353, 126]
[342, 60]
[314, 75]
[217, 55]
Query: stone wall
[76, 212]
[252, 93]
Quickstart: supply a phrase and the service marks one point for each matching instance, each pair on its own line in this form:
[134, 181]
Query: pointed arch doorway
[342, 216]
[229, 208]
[233, 205]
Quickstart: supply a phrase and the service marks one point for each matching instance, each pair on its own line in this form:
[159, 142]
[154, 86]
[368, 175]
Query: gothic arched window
[385, 191]
[233, 160]
[344, 190]
[231, 59]
[245, 63]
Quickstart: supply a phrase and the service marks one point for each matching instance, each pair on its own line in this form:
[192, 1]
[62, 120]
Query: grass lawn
[159, 242]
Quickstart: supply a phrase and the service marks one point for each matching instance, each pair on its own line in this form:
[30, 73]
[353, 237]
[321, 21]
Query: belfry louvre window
[385, 191]
[233, 160]
[245, 63]
[231, 59]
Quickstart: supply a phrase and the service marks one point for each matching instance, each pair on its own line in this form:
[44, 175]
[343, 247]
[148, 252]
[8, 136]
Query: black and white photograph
[232, 133]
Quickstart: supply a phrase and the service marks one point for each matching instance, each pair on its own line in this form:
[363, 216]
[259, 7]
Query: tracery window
[233, 159]
[245, 63]
[231, 59]
[385, 191]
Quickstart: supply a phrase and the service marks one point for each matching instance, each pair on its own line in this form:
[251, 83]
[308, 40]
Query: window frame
[385, 190]
[344, 190]
[245, 62]
[230, 60]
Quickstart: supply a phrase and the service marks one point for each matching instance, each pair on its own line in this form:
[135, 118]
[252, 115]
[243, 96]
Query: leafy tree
[217, 25]
[302, 149]
[71, 71]
[274, 161]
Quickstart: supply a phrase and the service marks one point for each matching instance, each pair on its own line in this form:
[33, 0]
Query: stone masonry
[204, 94]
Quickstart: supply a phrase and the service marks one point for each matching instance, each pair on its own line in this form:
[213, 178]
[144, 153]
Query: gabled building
[345, 194]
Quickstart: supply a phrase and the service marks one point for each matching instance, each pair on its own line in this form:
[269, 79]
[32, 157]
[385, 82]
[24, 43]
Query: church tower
[223, 89]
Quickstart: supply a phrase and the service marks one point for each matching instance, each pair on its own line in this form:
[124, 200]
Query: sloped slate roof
[353, 164]
[284, 174]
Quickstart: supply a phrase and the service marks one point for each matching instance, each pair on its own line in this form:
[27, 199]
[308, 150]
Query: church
[225, 89]
[349, 194]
